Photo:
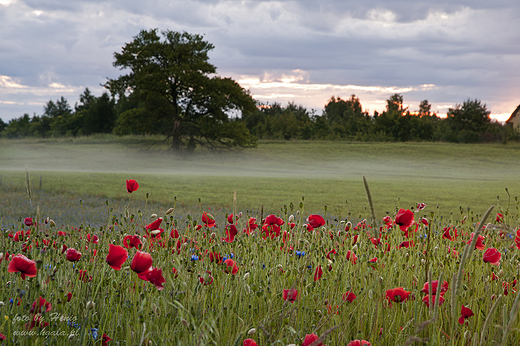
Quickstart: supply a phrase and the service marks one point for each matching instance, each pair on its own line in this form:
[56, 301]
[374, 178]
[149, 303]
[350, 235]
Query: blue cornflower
[300, 253]
[194, 257]
[94, 333]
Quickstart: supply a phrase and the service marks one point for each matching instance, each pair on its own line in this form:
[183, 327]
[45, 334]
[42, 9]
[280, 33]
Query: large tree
[181, 95]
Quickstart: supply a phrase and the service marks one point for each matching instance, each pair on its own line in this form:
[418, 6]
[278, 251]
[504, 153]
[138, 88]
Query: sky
[443, 51]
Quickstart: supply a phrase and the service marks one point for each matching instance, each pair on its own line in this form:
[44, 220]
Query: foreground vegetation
[155, 277]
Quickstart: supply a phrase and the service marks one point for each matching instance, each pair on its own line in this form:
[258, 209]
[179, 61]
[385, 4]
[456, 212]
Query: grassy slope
[274, 174]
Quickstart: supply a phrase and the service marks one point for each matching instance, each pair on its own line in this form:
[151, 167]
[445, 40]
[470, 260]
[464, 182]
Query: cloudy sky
[444, 51]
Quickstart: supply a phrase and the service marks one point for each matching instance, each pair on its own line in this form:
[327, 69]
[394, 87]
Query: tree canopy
[179, 92]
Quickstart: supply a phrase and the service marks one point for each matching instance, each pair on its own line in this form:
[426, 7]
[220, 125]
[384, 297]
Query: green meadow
[327, 174]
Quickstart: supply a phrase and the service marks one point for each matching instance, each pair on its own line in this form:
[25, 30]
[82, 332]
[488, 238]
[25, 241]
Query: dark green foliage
[179, 95]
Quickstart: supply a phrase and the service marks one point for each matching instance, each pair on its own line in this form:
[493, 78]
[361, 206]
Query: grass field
[114, 268]
[450, 176]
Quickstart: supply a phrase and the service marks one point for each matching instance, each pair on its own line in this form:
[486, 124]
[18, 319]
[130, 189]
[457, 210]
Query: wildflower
[315, 221]
[231, 232]
[215, 257]
[420, 206]
[517, 239]
[500, 218]
[131, 241]
[174, 234]
[435, 285]
[154, 225]
[73, 255]
[406, 244]
[404, 219]
[359, 343]
[450, 234]
[155, 276]
[464, 313]
[290, 295]
[251, 225]
[330, 253]
[351, 256]
[424, 221]
[28, 221]
[93, 239]
[208, 220]
[300, 253]
[207, 279]
[69, 296]
[141, 264]
[231, 266]
[250, 342]
[492, 256]
[22, 264]
[426, 300]
[106, 339]
[397, 295]
[83, 276]
[131, 185]
[349, 296]
[40, 305]
[478, 245]
[318, 273]
[310, 340]
[117, 255]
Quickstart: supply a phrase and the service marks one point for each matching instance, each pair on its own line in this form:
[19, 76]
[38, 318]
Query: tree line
[172, 90]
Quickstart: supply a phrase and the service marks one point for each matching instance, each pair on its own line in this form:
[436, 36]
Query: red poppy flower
[174, 234]
[141, 264]
[273, 220]
[73, 255]
[290, 295]
[37, 321]
[18, 236]
[28, 221]
[215, 257]
[2, 336]
[208, 220]
[155, 277]
[251, 225]
[426, 300]
[207, 279]
[83, 276]
[231, 232]
[449, 234]
[421, 206]
[359, 343]
[387, 220]
[407, 244]
[40, 305]
[349, 296]
[375, 241]
[310, 339]
[397, 295]
[272, 231]
[330, 253]
[404, 219]
[106, 339]
[174, 271]
[22, 264]
[355, 239]
[351, 256]
[230, 218]
[131, 185]
[318, 273]
[478, 245]
[492, 256]
[117, 255]
[517, 239]
[500, 218]
[464, 313]
[316, 221]
[424, 221]
[93, 239]
[435, 284]
[131, 241]
[250, 342]
[69, 296]
[231, 266]
[154, 225]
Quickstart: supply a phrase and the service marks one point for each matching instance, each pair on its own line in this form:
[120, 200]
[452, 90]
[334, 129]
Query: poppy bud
[501, 273]
[185, 323]
[153, 216]
[90, 305]
[213, 235]
[155, 232]
[291, 218]
[370, 294]
[1, 256]
[52, 223]
[169, 211]
[251, 331]
[239, 216]
[354, 248]
[297, 213]
[47, 220]
[246, 276]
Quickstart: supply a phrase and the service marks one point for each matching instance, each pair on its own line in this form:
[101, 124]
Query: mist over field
[447, 177]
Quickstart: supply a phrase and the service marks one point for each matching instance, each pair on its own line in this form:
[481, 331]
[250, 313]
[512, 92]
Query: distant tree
[53, 110]
[181, 95]
[100, 116]
[425, 108]
[469, 120]
[3, 125]
[85, 100]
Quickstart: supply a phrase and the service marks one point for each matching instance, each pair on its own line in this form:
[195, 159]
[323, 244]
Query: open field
[113, 271]
[274, 174]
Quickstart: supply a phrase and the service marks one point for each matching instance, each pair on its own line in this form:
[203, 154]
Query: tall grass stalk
[375, 228]
[488, 319]
[512, 318]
